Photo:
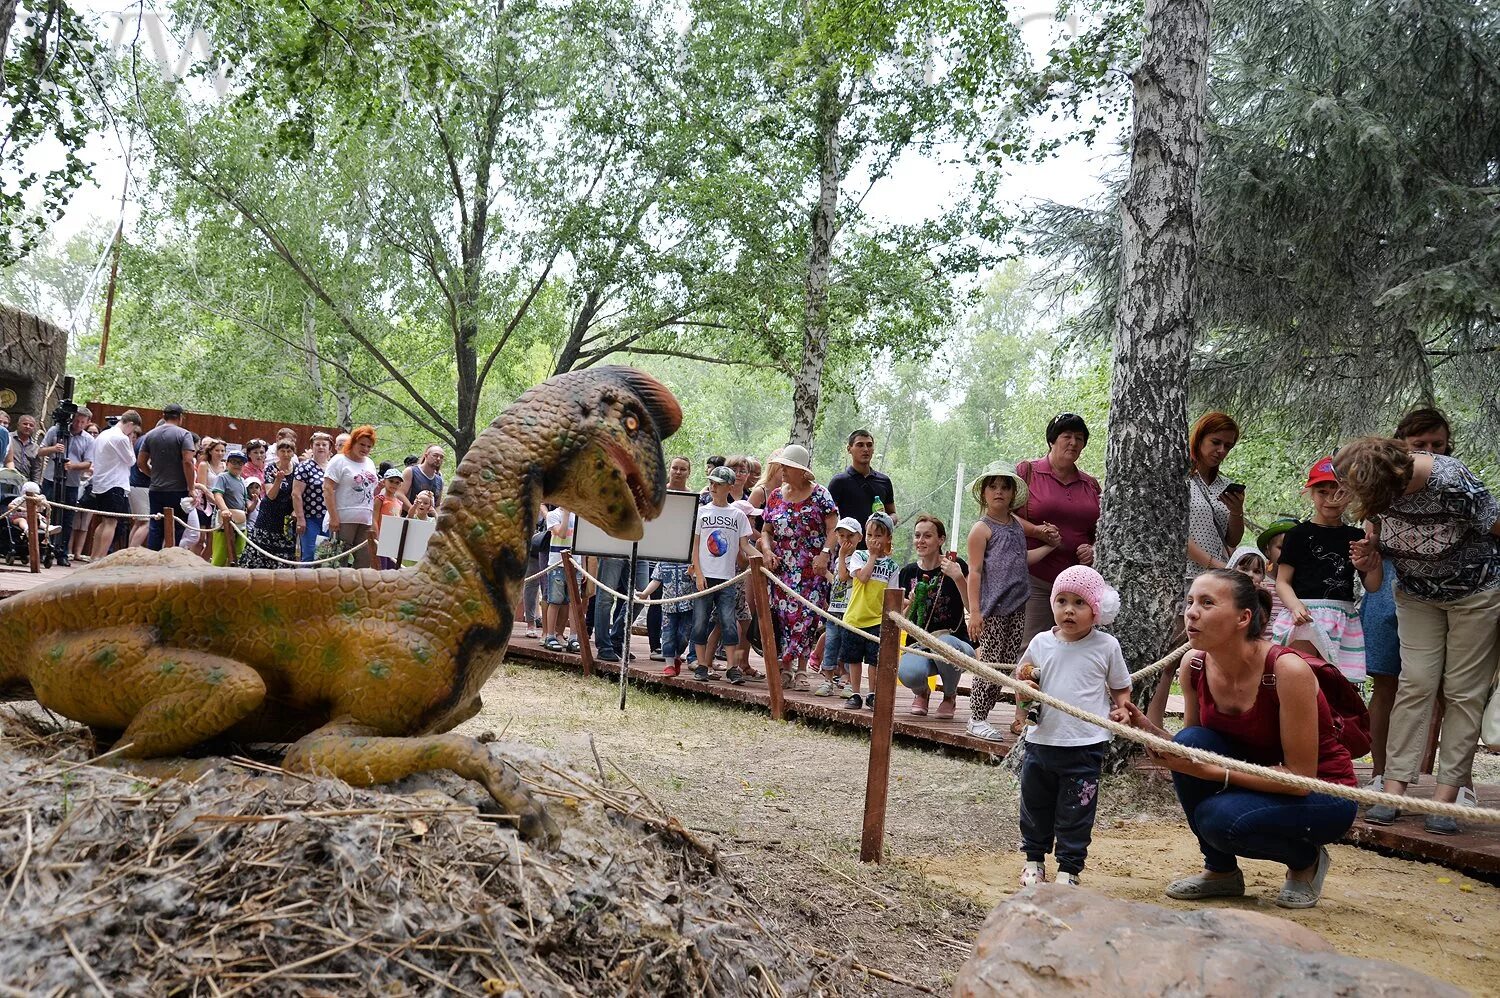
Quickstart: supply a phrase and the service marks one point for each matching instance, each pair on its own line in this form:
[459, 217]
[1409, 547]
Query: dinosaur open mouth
[644, 503]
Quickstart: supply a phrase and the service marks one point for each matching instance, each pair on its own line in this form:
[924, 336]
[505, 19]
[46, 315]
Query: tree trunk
[1143, 529]
[310, 351]
[807, 387]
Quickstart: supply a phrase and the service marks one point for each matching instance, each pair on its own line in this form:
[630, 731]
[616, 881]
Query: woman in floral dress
[797, 541]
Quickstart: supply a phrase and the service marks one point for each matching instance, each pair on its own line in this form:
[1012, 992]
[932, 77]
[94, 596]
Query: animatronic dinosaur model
[362, 669]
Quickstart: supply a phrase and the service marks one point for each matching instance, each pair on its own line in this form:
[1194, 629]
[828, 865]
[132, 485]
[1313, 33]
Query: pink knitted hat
[1098, 594]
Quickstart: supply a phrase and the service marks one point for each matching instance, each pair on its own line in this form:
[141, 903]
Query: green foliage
[47, 56]
[1350, 250]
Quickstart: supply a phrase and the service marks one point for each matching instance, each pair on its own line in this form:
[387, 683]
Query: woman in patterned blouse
[1441, 527]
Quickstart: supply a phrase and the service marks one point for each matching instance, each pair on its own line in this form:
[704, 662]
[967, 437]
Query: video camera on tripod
[62, 420]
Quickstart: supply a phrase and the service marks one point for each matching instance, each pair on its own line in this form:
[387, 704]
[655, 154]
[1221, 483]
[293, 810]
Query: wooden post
[168, 528]
[33, 542]
[878, 777]
[760, 601]
[576, 613]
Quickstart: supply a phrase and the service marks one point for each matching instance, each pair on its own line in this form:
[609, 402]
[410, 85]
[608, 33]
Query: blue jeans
[609, 613]
[169, 502]
[915, 670]
[307, 544]
[1059, 795]
[676, 635]
[1251, 823]
[716, 608]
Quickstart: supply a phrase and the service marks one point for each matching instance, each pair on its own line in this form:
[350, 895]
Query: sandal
[802, 684]
[573, 645]
[1200, 887]
[1305, 894]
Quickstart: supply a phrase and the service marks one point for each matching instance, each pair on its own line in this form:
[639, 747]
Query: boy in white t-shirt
[1080, 664]
[723, 534]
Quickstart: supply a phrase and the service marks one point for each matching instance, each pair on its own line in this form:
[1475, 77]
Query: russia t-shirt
[719, 531]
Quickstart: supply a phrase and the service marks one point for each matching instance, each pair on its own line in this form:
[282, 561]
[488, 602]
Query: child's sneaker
[1033, 874]
[735, 677]
[1071, 879]
[845, 690]
[673, 669]
[854, 702]
[826, 690]
[702, 674]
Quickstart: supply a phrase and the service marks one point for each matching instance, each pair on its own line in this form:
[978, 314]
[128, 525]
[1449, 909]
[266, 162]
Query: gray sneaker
[1440, 824]
[1381, 814]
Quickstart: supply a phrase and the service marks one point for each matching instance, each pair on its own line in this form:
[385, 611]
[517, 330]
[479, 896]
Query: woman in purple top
[1062, 511]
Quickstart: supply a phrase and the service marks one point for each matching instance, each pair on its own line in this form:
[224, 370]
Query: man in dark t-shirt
[166, 456]
[856, 488]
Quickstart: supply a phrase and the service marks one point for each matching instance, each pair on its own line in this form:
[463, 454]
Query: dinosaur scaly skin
[362, 669]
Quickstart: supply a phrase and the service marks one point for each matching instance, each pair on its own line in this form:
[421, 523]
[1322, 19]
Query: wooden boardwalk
[1476, 851]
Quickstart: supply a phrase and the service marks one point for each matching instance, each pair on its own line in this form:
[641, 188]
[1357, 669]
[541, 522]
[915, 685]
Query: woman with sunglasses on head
[255, 461]
[1061, 511]
[1440, 527]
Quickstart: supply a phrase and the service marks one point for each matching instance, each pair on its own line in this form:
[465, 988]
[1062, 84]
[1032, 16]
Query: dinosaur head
[610, 469]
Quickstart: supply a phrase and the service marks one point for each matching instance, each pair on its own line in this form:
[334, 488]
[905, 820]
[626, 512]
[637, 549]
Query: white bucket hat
[794, 456]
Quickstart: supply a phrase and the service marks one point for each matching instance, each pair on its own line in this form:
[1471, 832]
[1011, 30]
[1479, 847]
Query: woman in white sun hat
[797, 541]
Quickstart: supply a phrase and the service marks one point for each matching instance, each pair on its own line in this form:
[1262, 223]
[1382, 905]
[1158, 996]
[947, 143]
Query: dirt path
[785, 801]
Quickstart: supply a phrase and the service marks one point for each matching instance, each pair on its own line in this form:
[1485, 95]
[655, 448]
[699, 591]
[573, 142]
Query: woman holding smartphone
[1216, 517]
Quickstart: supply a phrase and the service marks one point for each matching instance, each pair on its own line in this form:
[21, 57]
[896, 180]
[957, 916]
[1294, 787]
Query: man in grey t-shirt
[166, 455]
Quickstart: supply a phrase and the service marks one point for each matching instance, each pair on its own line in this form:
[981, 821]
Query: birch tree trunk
[807, 387]
[1143, 528]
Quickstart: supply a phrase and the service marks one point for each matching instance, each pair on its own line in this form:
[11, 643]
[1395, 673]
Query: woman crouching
[1253, 700]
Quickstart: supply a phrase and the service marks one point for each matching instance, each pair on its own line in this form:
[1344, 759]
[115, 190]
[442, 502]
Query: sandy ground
[1416, 914]
[784, 802]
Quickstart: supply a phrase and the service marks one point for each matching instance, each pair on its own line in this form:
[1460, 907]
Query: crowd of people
[291, 503]
[1390, 582]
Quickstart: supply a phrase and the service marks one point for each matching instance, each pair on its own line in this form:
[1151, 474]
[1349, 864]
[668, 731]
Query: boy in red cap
[1315, 578]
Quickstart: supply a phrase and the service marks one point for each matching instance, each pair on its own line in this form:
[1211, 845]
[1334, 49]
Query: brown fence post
[33, 527]
[760, 596]
[168, 528]
[576, 613]
[878, 777]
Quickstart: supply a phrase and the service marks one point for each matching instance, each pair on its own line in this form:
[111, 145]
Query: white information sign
[669, 537]
[403, 540]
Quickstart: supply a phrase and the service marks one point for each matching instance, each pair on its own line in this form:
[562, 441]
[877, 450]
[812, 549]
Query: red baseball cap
[1320, 472]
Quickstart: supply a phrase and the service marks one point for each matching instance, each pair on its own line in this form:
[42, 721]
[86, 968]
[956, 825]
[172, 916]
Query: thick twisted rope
[99, 512]
[295, 564]
[657, 602]
[1149, 670]
[1308, 783]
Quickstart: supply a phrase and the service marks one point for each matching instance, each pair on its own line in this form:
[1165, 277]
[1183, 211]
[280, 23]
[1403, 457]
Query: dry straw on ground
[248, 880]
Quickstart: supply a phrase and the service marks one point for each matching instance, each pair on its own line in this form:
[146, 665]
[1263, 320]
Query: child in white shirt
[1080, 664]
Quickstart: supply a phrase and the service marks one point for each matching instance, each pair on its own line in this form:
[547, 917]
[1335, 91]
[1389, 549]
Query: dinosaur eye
[631, 422]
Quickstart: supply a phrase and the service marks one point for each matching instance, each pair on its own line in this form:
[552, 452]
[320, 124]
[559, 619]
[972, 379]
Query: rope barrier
[100, 512]
[1151, 741]
[1149, 670]
[296, 564]
[658, 602]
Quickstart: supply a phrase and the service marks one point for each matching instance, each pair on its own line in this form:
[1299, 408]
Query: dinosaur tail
[14, 640]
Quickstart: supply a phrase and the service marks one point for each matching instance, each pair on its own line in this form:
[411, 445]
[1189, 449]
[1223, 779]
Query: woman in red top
[1249, 699]
[1062, 511]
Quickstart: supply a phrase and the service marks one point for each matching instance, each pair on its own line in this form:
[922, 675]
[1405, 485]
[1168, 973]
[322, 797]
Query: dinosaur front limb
[356, 754]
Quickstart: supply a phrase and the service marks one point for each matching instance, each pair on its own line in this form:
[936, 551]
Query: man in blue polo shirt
[856, 488]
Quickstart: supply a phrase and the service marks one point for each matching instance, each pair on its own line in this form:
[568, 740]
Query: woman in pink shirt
[1062, 510]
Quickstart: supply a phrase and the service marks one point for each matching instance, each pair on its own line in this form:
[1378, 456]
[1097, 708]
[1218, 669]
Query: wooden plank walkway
[1475, 851]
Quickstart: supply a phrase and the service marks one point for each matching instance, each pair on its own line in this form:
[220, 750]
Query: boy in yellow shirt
[868, 572]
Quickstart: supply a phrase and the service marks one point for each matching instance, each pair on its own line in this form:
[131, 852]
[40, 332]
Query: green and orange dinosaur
[363, 670]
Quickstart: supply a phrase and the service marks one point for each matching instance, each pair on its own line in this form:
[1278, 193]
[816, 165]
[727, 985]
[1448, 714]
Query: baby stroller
[13, 543]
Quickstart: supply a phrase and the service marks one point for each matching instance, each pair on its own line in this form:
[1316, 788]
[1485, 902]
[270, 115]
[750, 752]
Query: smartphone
[1235, 487]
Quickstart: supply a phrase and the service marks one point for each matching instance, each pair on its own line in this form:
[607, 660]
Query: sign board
[669, 537]
[403, 540]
